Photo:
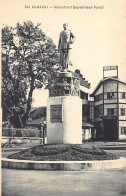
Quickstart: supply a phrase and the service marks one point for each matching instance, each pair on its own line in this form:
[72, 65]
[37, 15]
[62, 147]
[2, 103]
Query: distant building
[110, 109]
[88, 131]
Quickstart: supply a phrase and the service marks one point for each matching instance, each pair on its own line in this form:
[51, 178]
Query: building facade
[110, 109]
[88, 130]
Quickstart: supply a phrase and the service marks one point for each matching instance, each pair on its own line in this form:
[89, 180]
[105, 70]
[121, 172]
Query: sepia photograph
[63, 98]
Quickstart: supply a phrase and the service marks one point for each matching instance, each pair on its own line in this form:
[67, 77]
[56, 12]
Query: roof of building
[83, 82]
[84, 124]
[102, 81]
[84, 89]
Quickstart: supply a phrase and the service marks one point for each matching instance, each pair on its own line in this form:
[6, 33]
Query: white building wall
[122, 87]
[110, 86]
[84, 101]
[100, 90]
[122, 123]
[110, 106]
[122, 101]
[123, 105]
[98, 103]
[122, 118]
[110, 101]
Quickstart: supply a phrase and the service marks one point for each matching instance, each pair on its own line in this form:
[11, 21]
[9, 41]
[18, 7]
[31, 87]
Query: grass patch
[63, 152]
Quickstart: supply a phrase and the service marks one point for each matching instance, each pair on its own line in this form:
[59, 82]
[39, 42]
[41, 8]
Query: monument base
[64, 120]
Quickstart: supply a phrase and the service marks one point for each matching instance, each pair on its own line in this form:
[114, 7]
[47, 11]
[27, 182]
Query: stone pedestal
[64, 111]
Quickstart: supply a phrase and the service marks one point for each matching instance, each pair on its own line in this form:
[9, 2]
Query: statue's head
[65, 25]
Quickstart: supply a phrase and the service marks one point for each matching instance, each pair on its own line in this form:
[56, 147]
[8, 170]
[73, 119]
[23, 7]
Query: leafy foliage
[38, 112]
[63, 152]
[28, 61]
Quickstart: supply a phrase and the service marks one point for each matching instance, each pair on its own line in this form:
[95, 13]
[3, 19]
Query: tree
[28, 60]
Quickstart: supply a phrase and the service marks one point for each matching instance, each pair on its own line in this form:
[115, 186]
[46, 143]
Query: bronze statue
[66, 38]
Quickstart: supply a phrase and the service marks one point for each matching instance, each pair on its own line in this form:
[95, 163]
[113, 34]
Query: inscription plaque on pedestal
[56, 113]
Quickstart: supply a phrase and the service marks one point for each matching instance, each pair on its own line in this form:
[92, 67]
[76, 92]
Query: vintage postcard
[63, 97]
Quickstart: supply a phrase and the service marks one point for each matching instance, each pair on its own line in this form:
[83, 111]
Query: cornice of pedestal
[64, 74]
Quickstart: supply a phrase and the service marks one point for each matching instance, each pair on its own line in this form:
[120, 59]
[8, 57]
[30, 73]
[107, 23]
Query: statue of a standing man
[66, 38]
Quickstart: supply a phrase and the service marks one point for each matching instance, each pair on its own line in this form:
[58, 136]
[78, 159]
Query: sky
[99, 28]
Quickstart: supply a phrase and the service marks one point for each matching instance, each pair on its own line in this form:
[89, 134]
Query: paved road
[64, 183]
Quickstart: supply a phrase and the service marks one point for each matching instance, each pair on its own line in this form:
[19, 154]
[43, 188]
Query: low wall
[64, 165]
[23, 141]
[15, 132]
